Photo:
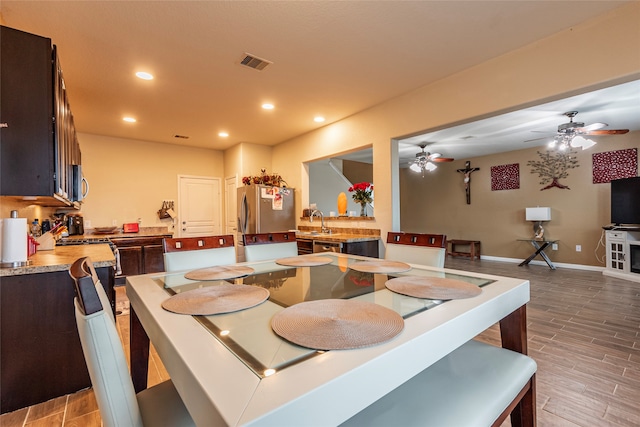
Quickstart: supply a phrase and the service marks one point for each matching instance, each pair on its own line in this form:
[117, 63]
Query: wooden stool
[473, 252]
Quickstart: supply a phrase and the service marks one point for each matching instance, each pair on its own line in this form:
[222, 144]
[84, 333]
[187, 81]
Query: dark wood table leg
[139, 352]
[513, 331]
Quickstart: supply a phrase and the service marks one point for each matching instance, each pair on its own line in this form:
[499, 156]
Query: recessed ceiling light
[268, 106]
[223, 134]
[144, 75]
[318, 119]
[129, 119]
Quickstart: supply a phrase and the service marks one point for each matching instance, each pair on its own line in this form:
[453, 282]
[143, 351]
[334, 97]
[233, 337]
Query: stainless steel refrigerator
[263, 210]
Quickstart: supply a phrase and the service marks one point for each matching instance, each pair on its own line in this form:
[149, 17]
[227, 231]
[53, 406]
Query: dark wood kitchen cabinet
[40, 352]
[139, 255]
[39, 155]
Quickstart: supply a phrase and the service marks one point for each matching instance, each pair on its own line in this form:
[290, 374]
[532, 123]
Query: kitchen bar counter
[40, 349]
[336, 237]
[61, 258]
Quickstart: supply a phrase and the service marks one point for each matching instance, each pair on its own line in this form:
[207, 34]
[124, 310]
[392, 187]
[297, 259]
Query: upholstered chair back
[417, 248]
[264, 246]
[192, 253]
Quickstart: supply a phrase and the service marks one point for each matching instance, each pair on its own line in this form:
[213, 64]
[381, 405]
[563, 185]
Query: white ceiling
[333, 58]
[617, 106]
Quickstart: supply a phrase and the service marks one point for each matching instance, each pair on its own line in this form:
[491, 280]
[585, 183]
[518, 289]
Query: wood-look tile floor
[584, 333]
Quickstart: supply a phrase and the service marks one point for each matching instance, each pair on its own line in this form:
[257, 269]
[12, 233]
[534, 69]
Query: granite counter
[61, 258]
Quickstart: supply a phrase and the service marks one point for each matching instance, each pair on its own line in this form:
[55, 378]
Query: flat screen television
[625, 201]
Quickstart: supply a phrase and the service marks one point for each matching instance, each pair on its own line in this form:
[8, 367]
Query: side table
[474, 248]
[540, 246]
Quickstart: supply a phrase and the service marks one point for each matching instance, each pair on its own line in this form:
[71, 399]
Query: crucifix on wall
[467, 171]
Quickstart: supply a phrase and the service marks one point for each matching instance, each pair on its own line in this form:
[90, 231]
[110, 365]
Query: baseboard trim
[630, 276]
[536, 262]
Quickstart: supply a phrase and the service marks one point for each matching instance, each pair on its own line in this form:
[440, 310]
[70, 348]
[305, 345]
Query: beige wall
[246, 159]
[551, 68]
[129, 179]
[437, 204]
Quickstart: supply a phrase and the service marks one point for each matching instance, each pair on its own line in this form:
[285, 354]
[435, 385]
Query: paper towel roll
[14, 240]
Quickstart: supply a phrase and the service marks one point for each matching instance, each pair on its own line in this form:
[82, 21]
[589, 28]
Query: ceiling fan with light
[425, 161]
[571, 134]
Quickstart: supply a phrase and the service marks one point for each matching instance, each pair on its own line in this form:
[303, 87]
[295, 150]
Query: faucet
[321, 215]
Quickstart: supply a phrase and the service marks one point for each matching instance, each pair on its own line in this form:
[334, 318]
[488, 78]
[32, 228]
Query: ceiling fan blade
[607, 132]
[593, 126]
[442, 159]
[538, 139]
[433, 156]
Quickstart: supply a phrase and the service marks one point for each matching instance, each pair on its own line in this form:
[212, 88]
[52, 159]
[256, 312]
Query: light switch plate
[554, 246]
[578, 248]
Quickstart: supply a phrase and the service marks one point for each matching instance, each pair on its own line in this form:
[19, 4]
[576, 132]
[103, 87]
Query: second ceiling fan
[571, 134]
[425, 161]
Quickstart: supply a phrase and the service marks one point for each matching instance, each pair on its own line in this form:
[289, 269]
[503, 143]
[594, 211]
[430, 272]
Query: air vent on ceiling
[254, 62]
[181, 136]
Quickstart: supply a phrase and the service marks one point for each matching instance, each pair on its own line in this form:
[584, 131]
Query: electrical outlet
[114, 222]
[578, 248]
[87, 223]
[554, 246]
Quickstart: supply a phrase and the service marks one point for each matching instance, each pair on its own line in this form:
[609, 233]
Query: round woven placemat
[220, 272]
[304, 261]
[380, 266]
[225, 298]
[336, 324]
[433, 287]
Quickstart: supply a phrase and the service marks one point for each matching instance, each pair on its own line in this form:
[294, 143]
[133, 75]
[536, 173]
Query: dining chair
[264, 246]
[118, 403]
[475, 385]
[417, 248]
[189, 253]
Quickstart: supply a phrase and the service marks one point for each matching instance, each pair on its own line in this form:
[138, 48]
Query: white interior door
[199, 206]
[231, 205]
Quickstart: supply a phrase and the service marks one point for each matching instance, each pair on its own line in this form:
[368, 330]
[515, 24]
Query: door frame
[226, 202]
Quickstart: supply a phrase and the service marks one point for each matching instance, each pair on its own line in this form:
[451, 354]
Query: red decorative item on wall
[612, 165]
[505, 177]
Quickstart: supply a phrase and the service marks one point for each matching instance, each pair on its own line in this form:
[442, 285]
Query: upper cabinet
[39, 152]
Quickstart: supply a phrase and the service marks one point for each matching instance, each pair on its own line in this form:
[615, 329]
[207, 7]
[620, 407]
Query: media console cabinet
[623, 253]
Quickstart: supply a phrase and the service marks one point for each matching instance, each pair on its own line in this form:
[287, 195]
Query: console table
[540, 246]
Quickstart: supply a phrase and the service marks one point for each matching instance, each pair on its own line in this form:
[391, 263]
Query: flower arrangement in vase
[362, 194]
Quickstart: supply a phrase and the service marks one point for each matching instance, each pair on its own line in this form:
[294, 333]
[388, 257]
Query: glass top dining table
[233, 369]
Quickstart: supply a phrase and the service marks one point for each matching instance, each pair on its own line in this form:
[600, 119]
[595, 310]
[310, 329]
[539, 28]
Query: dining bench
[476, 385]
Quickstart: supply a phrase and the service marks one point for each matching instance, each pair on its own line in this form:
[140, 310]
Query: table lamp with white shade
[538, 215]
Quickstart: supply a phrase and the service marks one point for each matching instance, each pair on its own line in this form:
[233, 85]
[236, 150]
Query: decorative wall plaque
[505, 177]
[612, 165]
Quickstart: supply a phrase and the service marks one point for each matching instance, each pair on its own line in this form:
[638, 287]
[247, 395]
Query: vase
[342, 204]
[363, 209]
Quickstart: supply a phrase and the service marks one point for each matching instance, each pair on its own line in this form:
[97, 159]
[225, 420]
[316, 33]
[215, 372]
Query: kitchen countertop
[144, 232]
[62, 257]
[336, 237]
